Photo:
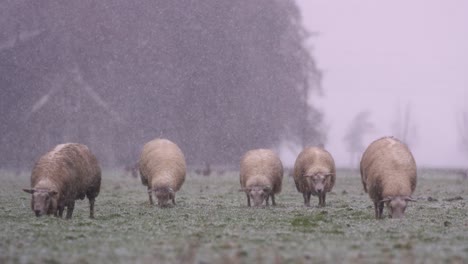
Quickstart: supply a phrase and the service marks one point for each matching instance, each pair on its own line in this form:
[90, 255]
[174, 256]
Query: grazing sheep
[314, 174]
[67, 173]
[261, 175]
[162, 170]
[388, 173]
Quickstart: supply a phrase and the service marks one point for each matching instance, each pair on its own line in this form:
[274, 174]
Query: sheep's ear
[31, 191]
[410, 199]
[329, 175]
[386, 199]
[53, 193]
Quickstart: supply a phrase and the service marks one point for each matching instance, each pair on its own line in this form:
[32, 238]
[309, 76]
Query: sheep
[261, 175]
[388, 174]
[162, 169]
[67, 173]
[314, 174]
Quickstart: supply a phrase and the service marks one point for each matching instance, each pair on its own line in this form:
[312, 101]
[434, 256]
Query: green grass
[211, 224]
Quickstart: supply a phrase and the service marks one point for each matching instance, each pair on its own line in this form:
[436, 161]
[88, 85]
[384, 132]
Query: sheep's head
[396, 205]
[163, 195]
[44, 201]
[258, 194]
[318, 181]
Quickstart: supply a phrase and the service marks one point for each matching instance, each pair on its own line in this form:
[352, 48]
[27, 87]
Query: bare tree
[403, 127]
[359, 127]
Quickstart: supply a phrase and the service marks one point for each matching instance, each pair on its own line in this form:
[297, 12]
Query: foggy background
[216, 77]
[222, 77]
[385, 57]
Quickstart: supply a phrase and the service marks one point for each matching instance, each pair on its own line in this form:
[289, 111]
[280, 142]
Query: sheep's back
[162, 163]
[388, 168]
[310, 161]
[260, 167]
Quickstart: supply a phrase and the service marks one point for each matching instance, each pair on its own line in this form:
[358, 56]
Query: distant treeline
[218, 77]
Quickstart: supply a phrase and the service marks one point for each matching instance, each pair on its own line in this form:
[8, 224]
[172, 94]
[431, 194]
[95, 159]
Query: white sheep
[162, 170]
[314, 174]
[261, 175]
[67, 173]
[388, 173]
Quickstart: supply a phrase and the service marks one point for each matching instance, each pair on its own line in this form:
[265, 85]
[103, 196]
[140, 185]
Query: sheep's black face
[396, 207]
[43, 201]
[258, 195]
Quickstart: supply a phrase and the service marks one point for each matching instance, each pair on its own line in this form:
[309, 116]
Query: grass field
[211, 224]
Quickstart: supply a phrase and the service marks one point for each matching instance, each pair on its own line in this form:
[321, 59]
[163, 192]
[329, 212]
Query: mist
[222, 77]
[391, 58]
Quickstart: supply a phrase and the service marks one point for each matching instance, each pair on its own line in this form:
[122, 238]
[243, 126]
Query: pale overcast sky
[377, 55]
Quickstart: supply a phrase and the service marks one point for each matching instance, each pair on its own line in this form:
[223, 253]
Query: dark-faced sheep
[261, 175]
[388, 173]
[67, 173]
[314, 174]
[162, 170]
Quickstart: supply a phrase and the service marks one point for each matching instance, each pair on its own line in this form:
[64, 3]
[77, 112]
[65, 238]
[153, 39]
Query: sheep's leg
[273, 200]
[173, 199]
[70, 207]
[267, 198]
[60, 211]
[308, 199]
[248, 199]
[381, 206]
[378, 209]
[150, 195]
[322, 200]
[91, 207]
